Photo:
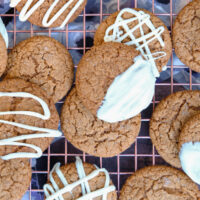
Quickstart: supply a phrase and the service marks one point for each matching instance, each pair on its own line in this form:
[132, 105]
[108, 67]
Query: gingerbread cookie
[51, 13]
[79, 180]
[28, 118]
[123, 26]
[15, 178]
[97, 70]
[44, 61]
[189, 146]
[186, 34]
[3, 55]
[167, 122]
[92, 135]
[159, 183]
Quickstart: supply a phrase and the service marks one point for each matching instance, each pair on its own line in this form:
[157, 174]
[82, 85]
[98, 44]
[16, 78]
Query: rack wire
[142, 153]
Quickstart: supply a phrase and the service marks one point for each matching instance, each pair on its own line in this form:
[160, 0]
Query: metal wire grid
[142, 153]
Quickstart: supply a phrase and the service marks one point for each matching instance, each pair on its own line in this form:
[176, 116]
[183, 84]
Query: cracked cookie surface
[94, 136]
[190, 131]
[159, 183]
[167, 121]
[154, 45]
[3, 55]
[15, 178]
[24, 104]
[70, 173]
[37, 17]
[186, 35]
[97, 70]
[44, 61]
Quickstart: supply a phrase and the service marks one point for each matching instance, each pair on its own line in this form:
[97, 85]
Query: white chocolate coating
[129, 94]
[26, 12]
[14, 140]
[3, 32]
[55, 192]
[190, 160]
[115, 33]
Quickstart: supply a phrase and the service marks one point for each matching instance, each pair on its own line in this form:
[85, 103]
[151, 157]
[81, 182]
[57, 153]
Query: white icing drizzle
[45, 133]
[120, 31]
[55, 17]
[26, 12]
[3, 32]
[55, 192]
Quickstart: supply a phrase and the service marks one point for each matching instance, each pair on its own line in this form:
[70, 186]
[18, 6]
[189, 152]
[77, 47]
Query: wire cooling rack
[177, 77]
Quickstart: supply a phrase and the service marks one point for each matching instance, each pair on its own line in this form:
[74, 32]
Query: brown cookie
[190, 131]
[24, 104]
[186, 35]
[15, 178]
[97, 70]
[71, 175]
[159, 183]
[92, 135]
[167, 122]
[37, 17]
[154, 46]
[3, 55]
[44, 61]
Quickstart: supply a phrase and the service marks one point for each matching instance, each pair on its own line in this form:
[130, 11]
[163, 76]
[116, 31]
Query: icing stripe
[54, 192]
[115, 33]
[45, 108]
[26, 12]
[44, 132]
[81, 173]
[60, 12]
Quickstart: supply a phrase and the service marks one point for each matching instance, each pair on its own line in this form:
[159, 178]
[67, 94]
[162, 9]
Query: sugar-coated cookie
[168, 120]
[15, 178]
[186, 35]
[92, 135]
[44, 61]
[159, 183]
